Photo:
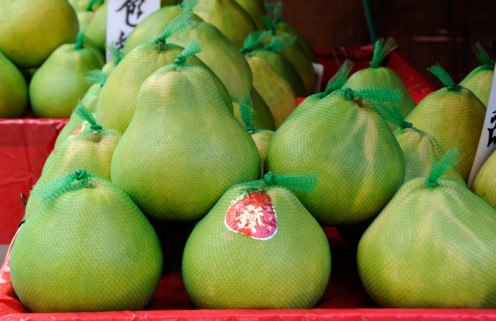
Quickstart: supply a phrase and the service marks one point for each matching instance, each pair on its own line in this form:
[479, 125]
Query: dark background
[427, 31]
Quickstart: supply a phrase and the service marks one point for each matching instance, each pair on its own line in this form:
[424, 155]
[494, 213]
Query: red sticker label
[253, 215]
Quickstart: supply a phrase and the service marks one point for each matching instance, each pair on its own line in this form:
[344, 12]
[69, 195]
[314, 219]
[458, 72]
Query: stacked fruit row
[193, 123]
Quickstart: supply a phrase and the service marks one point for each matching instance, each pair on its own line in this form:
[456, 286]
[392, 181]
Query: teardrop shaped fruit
[431, 247]
[30, 31]
[228, 16]
[151, 27]
[421, 150]
[185, 144]
[454, 116]
[60, 82]
[256, 249]
[101, 255]
[96, 31]
[377, 74]
[13, 90]
[345, 140]
[256, 9]
[273, 88]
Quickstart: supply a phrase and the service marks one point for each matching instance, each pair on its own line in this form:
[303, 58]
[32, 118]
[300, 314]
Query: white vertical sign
[487, 141]
[122, 17]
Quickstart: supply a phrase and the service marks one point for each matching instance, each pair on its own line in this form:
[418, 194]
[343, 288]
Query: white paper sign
[487, 141]
[122, 17]
[319, 72]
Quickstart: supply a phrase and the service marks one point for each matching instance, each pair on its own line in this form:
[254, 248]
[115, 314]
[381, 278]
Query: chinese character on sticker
[492, 138]
[132, 9]
[250, 218]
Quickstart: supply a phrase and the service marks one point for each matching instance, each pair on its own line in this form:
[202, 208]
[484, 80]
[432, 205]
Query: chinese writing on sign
[133, 11]
[492, 138]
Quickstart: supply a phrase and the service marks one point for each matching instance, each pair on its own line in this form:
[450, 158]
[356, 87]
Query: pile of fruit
[197, 122]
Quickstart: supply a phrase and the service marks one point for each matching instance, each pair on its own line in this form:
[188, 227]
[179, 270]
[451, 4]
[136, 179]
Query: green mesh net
[431, 246]
[263, 266]
[87, 248]
[180, 179]
[341, 134]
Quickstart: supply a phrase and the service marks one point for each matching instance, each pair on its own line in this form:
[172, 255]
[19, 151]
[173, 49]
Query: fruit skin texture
[30, 31]
[431, 247]
[13, 90]
[485, 183]
[88, 249]
[60, 82]
[225, 270]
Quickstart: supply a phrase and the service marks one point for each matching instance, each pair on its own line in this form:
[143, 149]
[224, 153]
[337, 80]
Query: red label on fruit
[253, 215]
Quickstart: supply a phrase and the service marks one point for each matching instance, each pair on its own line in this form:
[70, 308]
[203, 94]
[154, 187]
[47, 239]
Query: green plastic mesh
[89, 101]
[117, 101]
[431, 247]
[87, 248]
[226, 270]
[454, 116]
[181, 179]
[379, 75]
[420, 150]
[348, 144]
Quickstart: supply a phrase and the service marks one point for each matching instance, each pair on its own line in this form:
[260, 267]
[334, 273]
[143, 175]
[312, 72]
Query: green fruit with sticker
[257, 248]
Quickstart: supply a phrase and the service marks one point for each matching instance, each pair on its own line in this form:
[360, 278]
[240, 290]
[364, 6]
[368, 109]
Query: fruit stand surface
[26, 143]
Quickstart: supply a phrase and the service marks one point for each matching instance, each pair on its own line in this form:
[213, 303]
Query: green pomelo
[97, 28]
[350, 147]
[303, 66]
[384, 77]
[118, 98]
[479, 81]
[13, 90]
[88, 248]
[256, 9]
[273, 88]
[262, 139]
[484, 184]
[151, 27]
[301, 40]
[431, 247]
[221, 56]
[261, 108]
[88, 149]
[30, 31]
[228, 16]
[184, 147]
[75, 121]
[421, 150]
[223, 269]
[60, 82]
[284, 67]
[455, 119]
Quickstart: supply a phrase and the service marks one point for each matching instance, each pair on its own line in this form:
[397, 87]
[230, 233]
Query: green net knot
[183, 22]
[340, 77]
[382, 48]
[246, 111]
[96, 76]
[86, 115]
[483, 57]
[279, 43]
[444, 77]
[91, 5]
[384, 100]
[191, 49]
[79, 44]
[60, 185]
[254, 40]
[446, 163]
[81, 174]
[296, 182]
[116, 54]
[269, 23]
